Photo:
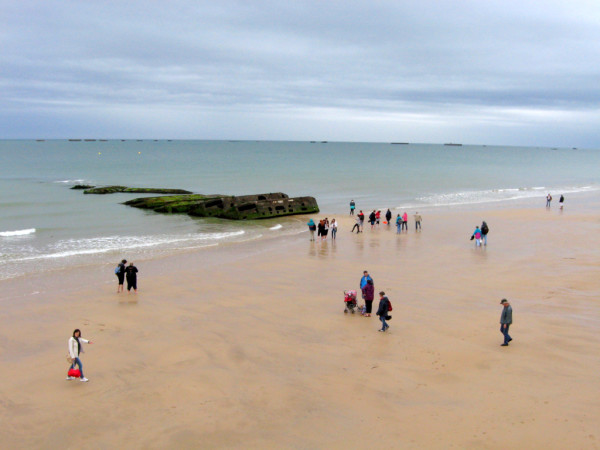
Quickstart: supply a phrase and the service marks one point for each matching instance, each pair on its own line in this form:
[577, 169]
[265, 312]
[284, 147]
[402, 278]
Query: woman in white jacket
[74, 351]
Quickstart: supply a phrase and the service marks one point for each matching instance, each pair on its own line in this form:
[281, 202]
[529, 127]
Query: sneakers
[503, 345]
[381, 330]
[70, 378]
[84, 379]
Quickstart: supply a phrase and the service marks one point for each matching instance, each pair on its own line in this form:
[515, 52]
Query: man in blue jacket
[363, 280]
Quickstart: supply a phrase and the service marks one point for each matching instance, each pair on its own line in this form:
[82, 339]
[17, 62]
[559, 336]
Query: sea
[46, 226]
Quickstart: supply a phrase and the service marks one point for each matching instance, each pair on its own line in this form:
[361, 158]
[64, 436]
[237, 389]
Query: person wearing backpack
[384, 307]
[120, 273]
[484, 231]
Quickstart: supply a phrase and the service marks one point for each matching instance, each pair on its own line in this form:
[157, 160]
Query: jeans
[357, 226]
[384, 326]
[78, 362]
[504, 331]
[484, 239]
[417, 225]
[398, 228]
[333, 233]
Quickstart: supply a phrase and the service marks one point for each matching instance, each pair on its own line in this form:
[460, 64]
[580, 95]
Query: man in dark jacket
[505, 321]
[382, 311]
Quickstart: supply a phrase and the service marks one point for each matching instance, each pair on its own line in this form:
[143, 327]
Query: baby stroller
[350, 301]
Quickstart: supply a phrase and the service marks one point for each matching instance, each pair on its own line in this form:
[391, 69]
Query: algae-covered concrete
[130, 190]
[246, 207]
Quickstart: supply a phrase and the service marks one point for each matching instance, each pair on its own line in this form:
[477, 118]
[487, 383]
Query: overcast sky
[480, 72]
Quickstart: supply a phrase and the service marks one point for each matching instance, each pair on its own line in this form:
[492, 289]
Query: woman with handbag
[74, 351]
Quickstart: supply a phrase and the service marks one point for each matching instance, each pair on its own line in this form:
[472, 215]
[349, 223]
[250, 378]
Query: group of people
[130, 272]
[322, 229]
[480, 234]
[375, 220]
[561, 200]
[367, 288]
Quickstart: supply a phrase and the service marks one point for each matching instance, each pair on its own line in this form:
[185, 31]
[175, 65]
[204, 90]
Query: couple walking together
[130, 272]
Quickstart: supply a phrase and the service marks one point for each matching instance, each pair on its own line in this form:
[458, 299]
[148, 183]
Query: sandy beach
[247, 346]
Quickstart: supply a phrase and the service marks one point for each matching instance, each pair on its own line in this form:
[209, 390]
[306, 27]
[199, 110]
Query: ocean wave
[79, 181]
[92, 246]
[276, 227]
[17, 232]
[491, 196]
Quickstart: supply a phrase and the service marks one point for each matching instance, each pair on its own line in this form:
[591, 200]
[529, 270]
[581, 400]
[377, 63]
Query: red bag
[390, 305]
[75, 373]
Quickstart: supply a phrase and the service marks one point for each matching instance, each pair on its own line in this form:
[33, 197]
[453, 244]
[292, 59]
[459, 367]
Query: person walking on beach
[484, 232]
[372, 219]
[405, 221]
[131, 274]
[356, 225]
[333, 229]
[312, 228]
[561, 201]
[388, 216]
[477, 236]
[382, 311]
[418, 221]
[74, 351]
[398, 224]
[548, 200]
[368, 294]
[120, 273]
[361, 218]
[505, 321]
[378, 218]
[352, 207]
[325, 229]
[320, 229]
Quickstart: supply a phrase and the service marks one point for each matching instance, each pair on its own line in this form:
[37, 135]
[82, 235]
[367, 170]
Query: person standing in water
[548, 200]
[484, 232]
[131, 274]
[561, 201]
[333, 227]
[388, 216]
[120, 273]
[74, 351]
[352, 207]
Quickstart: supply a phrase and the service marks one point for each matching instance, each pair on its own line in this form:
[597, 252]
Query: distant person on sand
[368, 294]
[477, 236]
[120, 273]
[312, 228]
[548, 200]
[325, 229]
[377, 218]
[352, 207]
[505, 321]
[356, 225]
[484, 232]
[372, 219]
[320, 229]
[333, 229]
[361, 217]
[405, 221]
[398, 224]
[388, 216]
[418, 221]
[382, 311]
[74, 351]
[131, 274]
[561, 201]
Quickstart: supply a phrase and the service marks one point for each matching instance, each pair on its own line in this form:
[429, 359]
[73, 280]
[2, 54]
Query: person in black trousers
[131, 274]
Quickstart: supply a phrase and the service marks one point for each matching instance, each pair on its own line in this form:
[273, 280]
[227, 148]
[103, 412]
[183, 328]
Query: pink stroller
[350, 301]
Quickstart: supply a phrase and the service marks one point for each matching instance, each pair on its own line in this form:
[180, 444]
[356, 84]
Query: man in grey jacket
[505, 321]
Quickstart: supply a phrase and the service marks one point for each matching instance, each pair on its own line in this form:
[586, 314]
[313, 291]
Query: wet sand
[247, 346]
